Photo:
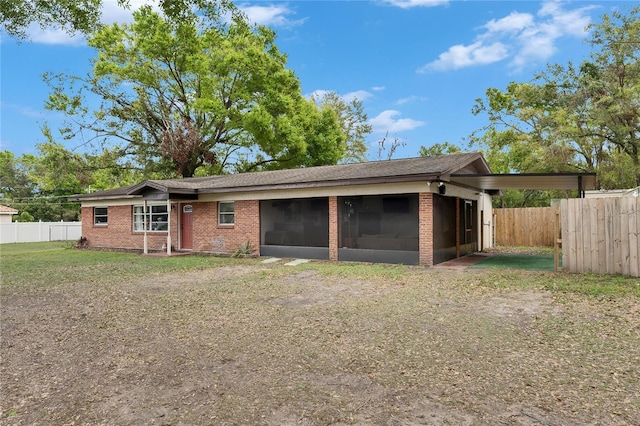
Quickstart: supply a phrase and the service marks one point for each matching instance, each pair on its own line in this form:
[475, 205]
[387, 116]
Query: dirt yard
[316, 344]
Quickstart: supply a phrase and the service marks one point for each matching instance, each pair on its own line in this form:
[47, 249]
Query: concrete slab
[296, 262]
[463, 262]
[271, 260]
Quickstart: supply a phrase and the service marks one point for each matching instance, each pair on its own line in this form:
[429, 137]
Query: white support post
[168, 227]
[145, 249]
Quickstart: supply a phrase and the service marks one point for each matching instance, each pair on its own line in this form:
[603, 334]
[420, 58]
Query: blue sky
[417, 65]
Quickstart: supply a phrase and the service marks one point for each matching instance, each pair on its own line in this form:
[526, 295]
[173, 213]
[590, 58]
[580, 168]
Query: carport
[493, 183]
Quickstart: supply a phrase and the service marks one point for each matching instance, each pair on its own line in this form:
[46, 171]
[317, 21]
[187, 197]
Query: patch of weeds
[244, 250]
[11, 412]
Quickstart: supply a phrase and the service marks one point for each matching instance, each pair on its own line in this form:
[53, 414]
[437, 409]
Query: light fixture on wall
[442, 188]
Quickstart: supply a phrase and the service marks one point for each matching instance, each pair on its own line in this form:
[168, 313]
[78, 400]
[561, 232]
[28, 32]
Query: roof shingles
[345, 174]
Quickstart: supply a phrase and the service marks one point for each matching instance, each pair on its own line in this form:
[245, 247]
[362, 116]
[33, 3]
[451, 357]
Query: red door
[186, 228]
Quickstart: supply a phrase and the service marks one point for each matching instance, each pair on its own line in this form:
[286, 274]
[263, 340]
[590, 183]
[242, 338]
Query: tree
[439, 149]
[72, 16]
[181, 95]
[354, 124]
[75, 16]
[611, 85]
[573, 119]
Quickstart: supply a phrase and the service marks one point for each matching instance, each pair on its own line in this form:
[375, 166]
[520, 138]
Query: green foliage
[353, 121]
[202, 93]
[78, 15]
[573, 120]
[244, 250]
[39, 185]
[23, 217]
[439, 149]
[16, 16]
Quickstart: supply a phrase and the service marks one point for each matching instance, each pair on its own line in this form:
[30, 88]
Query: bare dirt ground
[314, 345]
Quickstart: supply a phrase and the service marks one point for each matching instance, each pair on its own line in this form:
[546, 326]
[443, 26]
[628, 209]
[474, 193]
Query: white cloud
[408, 4]
[523, 37]
[360, 95]
[461, 56]
[112, 12]
[54, 36]
[273, 15]
[412, 98]
[378, 88]
[514, 22]
[386, 121]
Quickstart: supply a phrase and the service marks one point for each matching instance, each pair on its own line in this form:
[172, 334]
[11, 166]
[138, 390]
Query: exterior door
[186, 227]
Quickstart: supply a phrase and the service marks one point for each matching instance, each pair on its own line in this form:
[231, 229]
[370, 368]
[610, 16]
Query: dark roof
[402, 170]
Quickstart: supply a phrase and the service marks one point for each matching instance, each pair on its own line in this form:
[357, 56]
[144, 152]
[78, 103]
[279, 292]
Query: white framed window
[156, 218]
[226, 213]
[100, 216]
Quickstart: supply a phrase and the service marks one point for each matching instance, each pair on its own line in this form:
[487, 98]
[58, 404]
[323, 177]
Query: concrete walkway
[463, 262]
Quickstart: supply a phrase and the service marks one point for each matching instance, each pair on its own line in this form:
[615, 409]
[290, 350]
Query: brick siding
[425, 227]
[209, 236]
[333, 228]
[118, 233]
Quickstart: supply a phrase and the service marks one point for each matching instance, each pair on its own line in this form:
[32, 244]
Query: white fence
[31, 232]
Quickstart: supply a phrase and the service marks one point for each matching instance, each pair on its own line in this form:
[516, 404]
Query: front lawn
[116, 338]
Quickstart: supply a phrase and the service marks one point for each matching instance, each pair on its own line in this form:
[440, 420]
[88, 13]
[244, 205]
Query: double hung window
[100, 216]
[226, 213]
[156, 218]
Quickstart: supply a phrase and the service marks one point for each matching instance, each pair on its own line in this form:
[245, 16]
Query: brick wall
[209, 236]
[425, 219]
[118, 233]
[333, 228]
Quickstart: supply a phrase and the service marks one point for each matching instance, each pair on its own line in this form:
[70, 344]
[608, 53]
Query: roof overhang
[496, 182]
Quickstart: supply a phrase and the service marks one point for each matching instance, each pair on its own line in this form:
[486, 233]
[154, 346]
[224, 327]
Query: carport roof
[496, 182]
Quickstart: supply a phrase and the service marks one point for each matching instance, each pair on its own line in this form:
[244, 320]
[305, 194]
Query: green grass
[201, 340]
[45, 264]
[42, 264]
[610, 286]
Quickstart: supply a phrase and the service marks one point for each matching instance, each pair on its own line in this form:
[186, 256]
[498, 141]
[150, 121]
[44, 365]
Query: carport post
[580, 190]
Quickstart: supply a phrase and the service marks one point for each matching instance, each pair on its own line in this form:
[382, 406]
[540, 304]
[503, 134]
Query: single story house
[6, 214]
[414, 211]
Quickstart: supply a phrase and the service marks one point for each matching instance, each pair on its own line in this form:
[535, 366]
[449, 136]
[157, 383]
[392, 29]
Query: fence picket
[601, 235]
[29, 232]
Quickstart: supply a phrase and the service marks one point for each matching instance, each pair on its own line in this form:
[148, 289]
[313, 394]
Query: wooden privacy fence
[525, 227]
[601, 235]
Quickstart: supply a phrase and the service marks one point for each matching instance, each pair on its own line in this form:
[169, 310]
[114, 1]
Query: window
[156, 218]
[226, 213]
[100, 215]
